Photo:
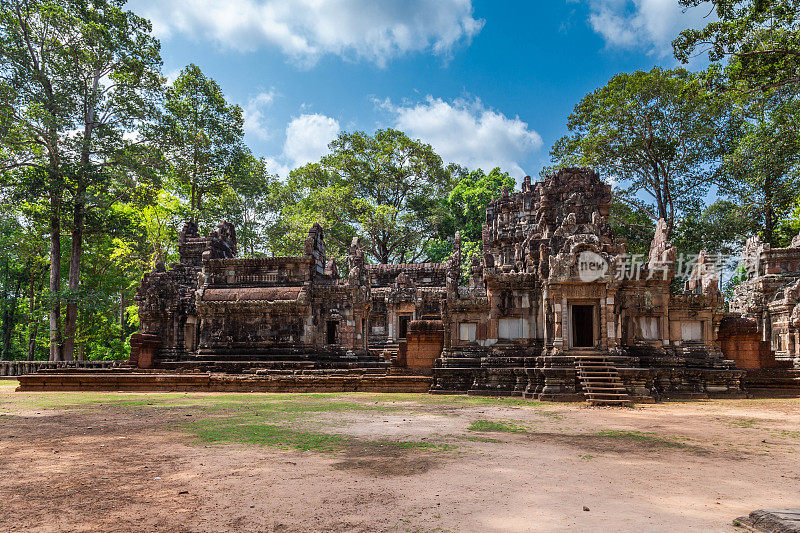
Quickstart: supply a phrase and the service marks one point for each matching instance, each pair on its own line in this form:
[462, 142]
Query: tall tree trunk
[5, 348]
[33, 328]
[71, 319]
[55, 276]
[9, 319]
[769, 211]
[122, 315]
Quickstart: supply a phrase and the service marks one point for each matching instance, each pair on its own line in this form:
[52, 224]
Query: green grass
[264, 435]
[228, 431]
[503, 426]
[744, 422]
[643, 436]
[261, 401]
[9, 383]
[453, 399]
[788, 434]
[347, 401]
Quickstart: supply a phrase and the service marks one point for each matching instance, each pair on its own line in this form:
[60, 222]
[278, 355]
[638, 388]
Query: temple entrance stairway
[599, 378]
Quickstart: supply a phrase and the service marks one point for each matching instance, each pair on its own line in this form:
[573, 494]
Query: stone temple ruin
[555, 309]
[768, 302]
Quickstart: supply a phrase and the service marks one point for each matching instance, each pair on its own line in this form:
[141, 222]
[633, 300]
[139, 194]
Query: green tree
[762, 172]
[23, 272]
[661, 133]
[719, 228]
[202, 138]
[760, 37]
[246, 202]
[789, 227]
[385, 188]
[633, 221]
[466, 203]
[465, 211]
[75, 77]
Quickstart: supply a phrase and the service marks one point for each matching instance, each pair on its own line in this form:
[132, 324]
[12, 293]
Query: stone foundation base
[158, 382]
[555, 378]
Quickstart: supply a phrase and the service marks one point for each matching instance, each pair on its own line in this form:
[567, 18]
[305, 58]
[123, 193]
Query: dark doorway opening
[582, 326]
[333, 325]
[403, 326]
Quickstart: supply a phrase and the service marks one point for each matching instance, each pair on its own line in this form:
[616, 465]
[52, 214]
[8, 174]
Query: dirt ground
[375, 462]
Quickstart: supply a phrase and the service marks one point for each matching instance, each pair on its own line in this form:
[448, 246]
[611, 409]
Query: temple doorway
[582, 326]
[403, 329]
[333, 325]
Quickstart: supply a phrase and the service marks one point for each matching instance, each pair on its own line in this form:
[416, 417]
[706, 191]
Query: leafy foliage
[201, 137]
[761, 37]
[464, 210]
[660, 133]
[761, 172]
[384, 188]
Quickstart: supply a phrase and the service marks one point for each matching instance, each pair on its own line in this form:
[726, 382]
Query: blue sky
[487, 83]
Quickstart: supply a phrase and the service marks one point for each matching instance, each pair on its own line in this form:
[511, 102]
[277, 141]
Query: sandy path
[94, 468]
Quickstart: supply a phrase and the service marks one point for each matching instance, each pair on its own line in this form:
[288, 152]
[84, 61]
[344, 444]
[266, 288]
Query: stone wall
[421, 274]
[424, 344]
[741, 342]
[20, 368]
[162, 382]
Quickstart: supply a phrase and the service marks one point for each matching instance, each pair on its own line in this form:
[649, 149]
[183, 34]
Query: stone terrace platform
[329, 381]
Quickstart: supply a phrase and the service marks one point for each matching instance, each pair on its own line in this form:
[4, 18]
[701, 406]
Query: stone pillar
[611, 325]
[560, 324]
[603, 317]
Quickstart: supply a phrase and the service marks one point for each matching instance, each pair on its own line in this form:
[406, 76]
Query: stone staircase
[599, 379]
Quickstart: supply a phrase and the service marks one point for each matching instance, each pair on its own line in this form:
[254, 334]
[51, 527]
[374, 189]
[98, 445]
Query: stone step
[599, 378]
[606, 390]
[620, 402]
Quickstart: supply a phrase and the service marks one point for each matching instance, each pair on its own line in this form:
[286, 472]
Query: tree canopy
[75, 77]
[760, 37]
[384, 188]
[660, 133]
[464, 211]
[202, 138]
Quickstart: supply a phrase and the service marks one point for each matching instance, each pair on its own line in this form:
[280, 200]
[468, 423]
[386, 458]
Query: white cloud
[307, 139]
[305, 30]
[467, 133]
[649, 24]
[254, 119]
